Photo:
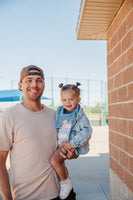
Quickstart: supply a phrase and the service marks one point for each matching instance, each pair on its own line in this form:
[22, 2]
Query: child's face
[69, 99]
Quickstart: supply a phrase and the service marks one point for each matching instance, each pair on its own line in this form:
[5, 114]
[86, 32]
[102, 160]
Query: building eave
[95, 16]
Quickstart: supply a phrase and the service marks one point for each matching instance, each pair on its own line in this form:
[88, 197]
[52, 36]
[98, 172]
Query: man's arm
[5, 189]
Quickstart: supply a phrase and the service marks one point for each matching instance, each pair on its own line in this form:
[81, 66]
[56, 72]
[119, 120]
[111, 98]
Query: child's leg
[59, 165]
[65, 182]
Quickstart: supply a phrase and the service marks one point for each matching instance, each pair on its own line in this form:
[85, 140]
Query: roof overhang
[95, 16]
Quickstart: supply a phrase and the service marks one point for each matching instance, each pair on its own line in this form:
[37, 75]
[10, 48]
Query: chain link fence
[93, 97]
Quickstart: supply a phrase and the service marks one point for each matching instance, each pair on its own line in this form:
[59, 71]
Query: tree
[96, 109]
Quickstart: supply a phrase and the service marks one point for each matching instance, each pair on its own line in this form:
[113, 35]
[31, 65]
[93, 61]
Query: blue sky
[43, 32]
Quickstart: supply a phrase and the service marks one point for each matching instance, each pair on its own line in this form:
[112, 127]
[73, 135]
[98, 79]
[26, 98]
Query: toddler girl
[74, 132]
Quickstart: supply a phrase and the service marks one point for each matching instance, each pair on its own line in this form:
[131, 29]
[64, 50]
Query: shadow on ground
[90, 176]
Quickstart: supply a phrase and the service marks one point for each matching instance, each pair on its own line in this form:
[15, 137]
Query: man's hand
[67, 145]
[68, 154]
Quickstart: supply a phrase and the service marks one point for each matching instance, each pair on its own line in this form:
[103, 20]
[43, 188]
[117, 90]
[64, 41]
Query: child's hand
[67, 145]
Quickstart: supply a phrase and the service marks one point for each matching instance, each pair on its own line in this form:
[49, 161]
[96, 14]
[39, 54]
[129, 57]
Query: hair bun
[78, 84]
[61, 85]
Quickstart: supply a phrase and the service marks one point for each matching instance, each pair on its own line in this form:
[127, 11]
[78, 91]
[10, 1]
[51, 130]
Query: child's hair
[70, 86]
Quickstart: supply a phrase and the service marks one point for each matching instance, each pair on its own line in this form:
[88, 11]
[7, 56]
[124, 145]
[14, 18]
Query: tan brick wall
[120, 93]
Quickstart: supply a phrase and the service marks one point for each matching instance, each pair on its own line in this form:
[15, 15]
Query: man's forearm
[5, 189]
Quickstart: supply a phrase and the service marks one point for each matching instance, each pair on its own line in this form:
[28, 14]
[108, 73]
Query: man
[28, 133]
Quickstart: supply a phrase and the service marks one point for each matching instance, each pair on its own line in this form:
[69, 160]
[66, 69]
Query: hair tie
[61, 85]
[78, 84]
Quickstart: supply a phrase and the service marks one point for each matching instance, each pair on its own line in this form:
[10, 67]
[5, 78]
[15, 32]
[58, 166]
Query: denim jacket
[80, 131]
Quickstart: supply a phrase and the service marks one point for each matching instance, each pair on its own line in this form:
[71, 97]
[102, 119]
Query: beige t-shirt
[31, 139]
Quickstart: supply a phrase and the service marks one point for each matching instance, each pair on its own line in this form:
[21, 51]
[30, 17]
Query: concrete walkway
[90, 173]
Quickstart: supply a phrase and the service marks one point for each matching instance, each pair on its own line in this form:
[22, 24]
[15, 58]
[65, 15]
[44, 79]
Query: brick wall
[120, 93]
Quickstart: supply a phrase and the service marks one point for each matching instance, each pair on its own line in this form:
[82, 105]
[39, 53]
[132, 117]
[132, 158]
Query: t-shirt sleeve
[6, 133]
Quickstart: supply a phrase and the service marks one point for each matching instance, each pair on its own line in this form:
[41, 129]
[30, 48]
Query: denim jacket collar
[73, 117]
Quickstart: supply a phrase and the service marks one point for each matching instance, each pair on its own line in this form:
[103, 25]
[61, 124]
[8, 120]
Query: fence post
[66, 80]
[102, 103]
[88, 99]
[105, 105]
[11, 84]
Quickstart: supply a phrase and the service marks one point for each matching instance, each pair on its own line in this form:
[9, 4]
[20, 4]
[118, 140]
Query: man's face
[32, 86]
